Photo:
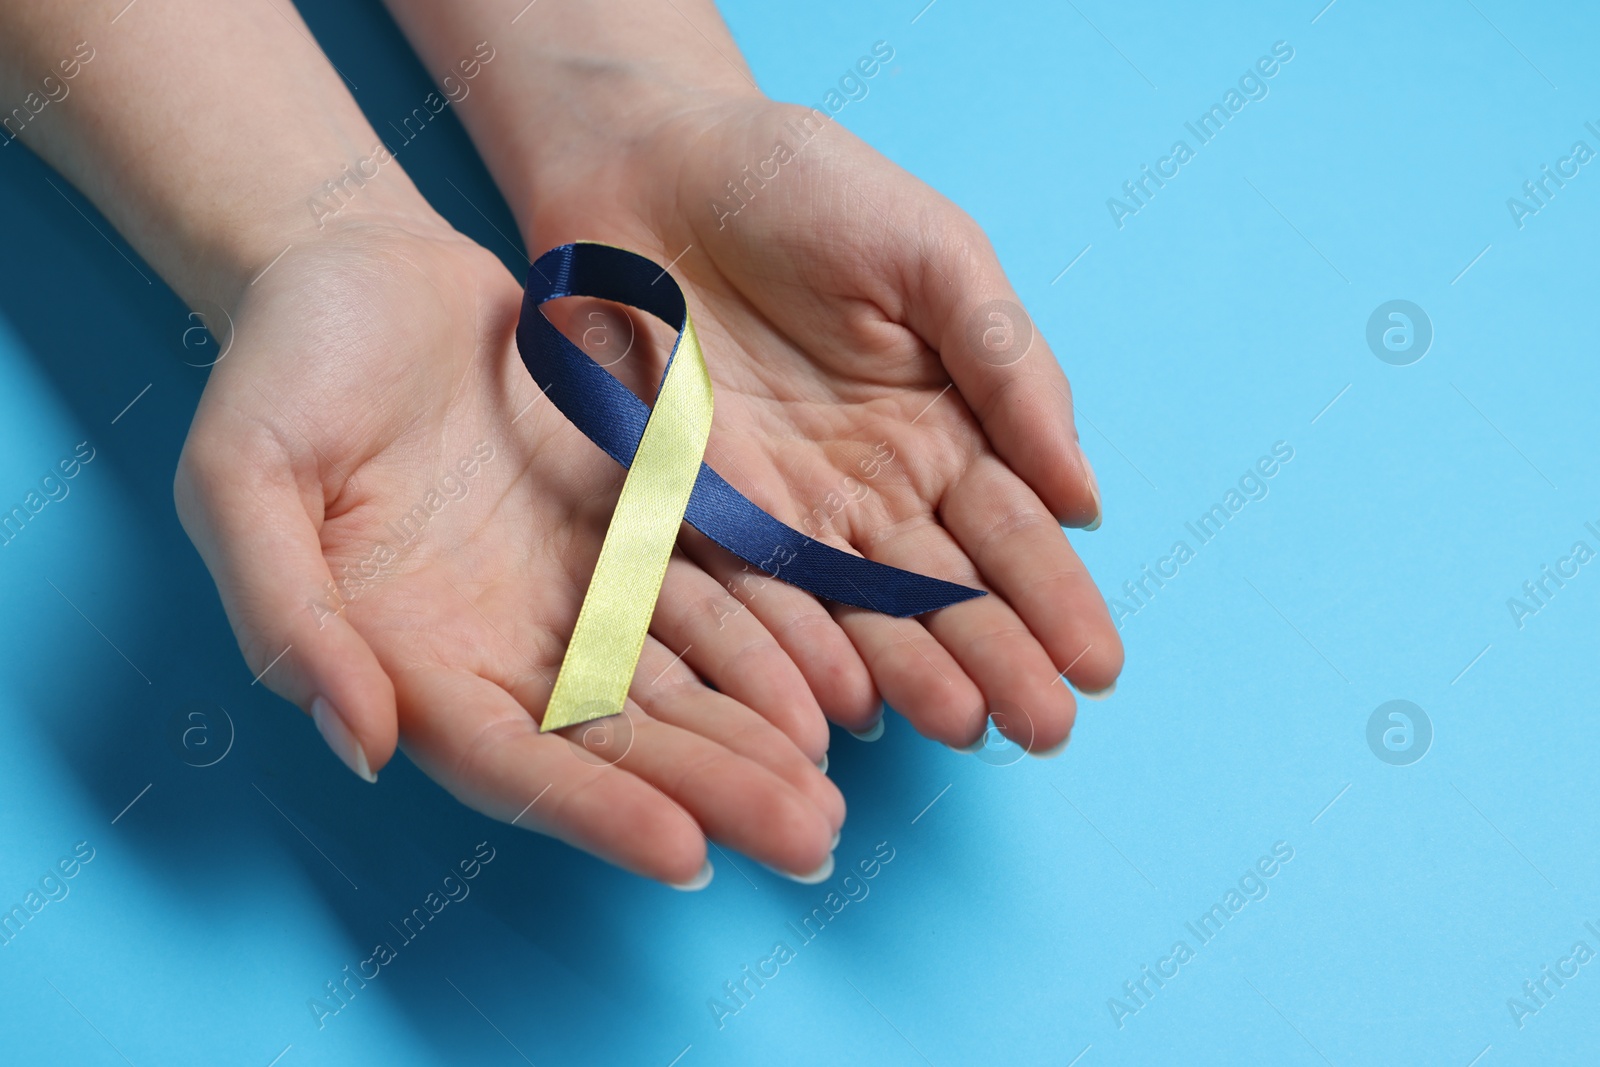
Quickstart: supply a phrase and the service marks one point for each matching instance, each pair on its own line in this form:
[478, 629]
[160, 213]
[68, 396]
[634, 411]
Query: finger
[1021, 552]
[677, 697]
[964, 308]
[827, 659]
[480, 743]
[733, 798]
[737, 801]
[733, 650]
[255, 525]
[916, 674]
[1021, 688]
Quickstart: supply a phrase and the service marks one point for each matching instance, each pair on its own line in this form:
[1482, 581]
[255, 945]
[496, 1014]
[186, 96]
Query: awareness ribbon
[662, 447]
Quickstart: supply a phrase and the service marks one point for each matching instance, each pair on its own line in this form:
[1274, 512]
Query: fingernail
[339, 738]
[1053, 751]
[822, 764]
[1094, 490]
[1098, 694]
[835, 841]
[821, 874]
[976, 746]
[871, 733]
[698, 882]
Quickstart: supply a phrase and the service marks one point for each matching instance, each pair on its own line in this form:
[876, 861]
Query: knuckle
[1012, 522]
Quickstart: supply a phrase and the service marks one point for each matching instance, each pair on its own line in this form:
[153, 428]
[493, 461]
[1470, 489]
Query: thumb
[255, 525]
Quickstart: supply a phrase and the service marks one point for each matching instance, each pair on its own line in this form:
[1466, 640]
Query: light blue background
[1222, 318]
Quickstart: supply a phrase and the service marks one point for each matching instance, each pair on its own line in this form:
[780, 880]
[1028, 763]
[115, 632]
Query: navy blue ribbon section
[613, 418]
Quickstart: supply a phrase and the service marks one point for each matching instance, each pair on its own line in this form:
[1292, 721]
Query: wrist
[225, 254]
[212, 175]
[595, 157]
[558, 105]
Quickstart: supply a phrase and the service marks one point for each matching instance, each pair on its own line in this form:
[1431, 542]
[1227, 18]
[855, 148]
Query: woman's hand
[878, 386]
[402, 528]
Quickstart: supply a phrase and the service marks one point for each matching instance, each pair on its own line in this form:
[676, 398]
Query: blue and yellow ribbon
[668, 483]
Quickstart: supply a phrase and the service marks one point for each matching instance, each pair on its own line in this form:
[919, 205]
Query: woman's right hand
[402, 529]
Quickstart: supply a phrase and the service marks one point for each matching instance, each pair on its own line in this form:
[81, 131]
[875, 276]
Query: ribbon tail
[604, 651]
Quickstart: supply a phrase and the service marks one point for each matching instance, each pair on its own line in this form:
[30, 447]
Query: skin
[840, 310]
[370, 352]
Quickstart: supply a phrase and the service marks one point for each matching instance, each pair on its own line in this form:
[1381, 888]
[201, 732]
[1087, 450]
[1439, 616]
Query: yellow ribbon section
[598, 667]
